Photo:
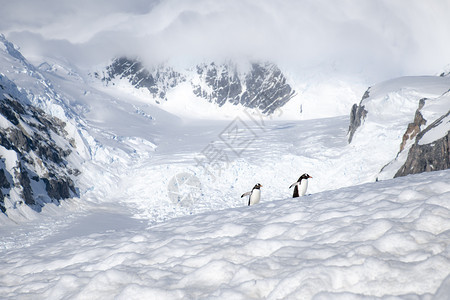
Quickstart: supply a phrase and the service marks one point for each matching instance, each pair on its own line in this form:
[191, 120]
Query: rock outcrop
[357, 116]
[158, 80]
[407, 117]
[414, 127]
[33, 154]
[430, 156]
[263, 86]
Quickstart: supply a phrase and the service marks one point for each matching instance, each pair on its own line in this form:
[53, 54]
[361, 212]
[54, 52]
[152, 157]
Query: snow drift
[385, 239]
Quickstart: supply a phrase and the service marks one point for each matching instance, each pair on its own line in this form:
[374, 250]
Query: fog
[382, 38]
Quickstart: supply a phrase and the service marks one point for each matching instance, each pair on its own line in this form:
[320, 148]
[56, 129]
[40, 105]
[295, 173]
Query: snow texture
[380, 239]
[127, 238]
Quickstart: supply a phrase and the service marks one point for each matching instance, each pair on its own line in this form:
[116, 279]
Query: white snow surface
[128, 237]
[389, 238]
[437, 132]
[432, 111]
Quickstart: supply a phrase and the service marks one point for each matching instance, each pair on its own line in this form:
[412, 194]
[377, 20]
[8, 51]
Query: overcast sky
[385, 37]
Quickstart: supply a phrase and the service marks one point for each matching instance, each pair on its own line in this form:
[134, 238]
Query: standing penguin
[303, 183]
[255, 195]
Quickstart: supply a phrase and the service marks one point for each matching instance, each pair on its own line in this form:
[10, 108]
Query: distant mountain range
[262, 85]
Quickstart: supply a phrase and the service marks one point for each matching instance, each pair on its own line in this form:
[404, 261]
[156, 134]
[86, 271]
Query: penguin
[303, 183]
[255, 195]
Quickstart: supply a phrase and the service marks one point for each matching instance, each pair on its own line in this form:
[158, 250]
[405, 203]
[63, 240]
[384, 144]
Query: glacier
[125, 237]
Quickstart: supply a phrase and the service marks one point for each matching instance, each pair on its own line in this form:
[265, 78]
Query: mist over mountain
[378, 40]
[262, 86]
[133, 132]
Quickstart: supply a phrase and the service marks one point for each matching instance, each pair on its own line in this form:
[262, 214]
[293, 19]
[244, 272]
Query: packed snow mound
[384, 239]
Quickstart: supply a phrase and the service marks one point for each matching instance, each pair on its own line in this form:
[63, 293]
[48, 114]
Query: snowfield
[382, 239]
[160, 214]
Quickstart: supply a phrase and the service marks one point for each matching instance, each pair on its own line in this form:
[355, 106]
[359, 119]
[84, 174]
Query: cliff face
[262, 86]
[357, 116]
[409, 118]
[429, 153]
[414, 127]
[33, 154]
[158, 80]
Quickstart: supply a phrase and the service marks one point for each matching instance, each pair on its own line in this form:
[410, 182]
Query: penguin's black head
[257, 186]
[304, 176]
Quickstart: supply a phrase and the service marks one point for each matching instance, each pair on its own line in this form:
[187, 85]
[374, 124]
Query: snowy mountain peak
[446, 71]
[41, 147]
[262, 86]
[157, 80]
[13, 51]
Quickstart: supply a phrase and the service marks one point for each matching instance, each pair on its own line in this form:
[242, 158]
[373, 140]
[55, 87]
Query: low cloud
[385, 38]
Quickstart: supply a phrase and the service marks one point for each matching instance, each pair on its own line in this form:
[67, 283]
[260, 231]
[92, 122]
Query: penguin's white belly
[302, 187]
[255, 196]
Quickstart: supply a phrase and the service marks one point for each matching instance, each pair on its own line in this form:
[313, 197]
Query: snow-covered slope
[34, 155]
[160, 213]
[380, 240]
[426, 144]
[40, 154]
[393, 113]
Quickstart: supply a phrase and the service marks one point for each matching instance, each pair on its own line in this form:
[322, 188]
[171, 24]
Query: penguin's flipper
[246, 194]
[296, 194]
[293, 184]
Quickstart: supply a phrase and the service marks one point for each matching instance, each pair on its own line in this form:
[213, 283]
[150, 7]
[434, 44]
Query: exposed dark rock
[414, 128]
[27, 192]
[357, 116]
[8, 113]
[4, 183]
[19, 140]
[59, 188]
[2, 202]
[34, 146]
[35, 150]
[428, 157]
[157, 81]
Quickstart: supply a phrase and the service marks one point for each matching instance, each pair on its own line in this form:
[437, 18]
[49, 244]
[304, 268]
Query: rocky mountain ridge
[33, 154]
[262, 86]
[40, 145]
